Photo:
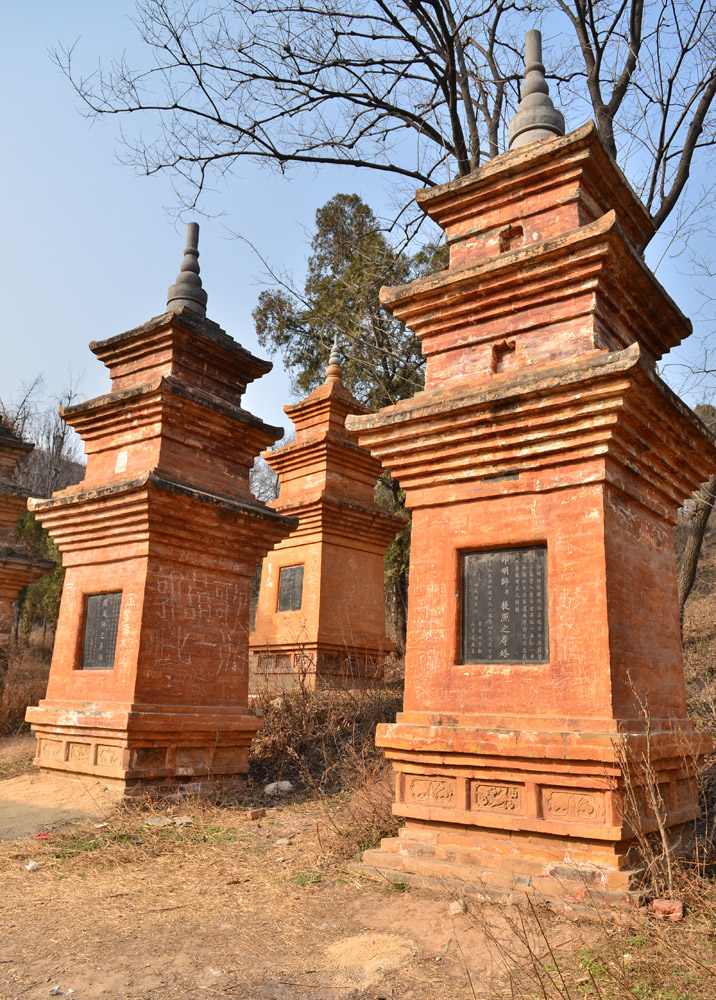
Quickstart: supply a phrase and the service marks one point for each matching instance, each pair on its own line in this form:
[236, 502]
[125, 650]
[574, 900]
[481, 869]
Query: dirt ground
[218, 905]
[33, 802]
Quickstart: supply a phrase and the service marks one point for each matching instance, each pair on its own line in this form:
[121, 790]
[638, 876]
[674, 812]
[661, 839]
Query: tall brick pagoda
[544, 464]
[18, 566]
[149, 678]
[321, 607]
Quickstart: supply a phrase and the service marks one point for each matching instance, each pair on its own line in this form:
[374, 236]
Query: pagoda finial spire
[334, 372]
[186, 290]
[536, 117]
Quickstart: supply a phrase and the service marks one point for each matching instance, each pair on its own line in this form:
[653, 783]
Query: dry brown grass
[324, 742]
[16, 755]
[700, 669]
[222, 895]
[23, 683]
[639, 958]
[361, 816]
[321, 738]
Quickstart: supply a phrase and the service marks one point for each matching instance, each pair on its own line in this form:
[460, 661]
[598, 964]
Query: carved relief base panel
[507, 825]
[135, 758]
[273, 670]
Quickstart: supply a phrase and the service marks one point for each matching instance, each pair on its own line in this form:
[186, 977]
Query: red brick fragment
[671, 909]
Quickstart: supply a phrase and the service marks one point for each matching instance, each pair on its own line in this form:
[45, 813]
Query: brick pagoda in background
[18, 566]
[544, 464]
[149, 677]
[321, 607]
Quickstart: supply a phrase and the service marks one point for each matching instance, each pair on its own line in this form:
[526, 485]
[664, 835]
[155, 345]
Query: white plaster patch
[121, 464]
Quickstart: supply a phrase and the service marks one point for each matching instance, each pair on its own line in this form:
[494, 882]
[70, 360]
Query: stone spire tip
[536, 116]
[187, 291]
[334, 372]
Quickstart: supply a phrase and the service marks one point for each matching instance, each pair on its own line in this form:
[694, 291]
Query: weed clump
[324, 741]
[23, 681]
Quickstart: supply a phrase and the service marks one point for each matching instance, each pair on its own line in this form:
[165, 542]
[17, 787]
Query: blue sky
[89, 247]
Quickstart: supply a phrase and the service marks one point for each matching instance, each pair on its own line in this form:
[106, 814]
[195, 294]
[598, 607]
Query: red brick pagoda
[321, 609]
[544, 464]
[18, 566]
[149, 679]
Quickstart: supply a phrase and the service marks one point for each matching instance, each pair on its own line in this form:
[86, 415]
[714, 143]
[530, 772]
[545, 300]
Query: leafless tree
[415, 88]
[262, 479]
[650, 70]
[694, 520]
[56, 461]
[409, 88]
[21, 414]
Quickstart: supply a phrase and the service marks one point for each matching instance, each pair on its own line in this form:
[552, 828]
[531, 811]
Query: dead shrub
[534, 955]
[638, 955]
[324, 740]
[315, 736]
[363, 815]
[23, 682]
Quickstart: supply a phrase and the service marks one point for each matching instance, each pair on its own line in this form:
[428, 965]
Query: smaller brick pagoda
[18, 566]
[321, 607]
[149, 678]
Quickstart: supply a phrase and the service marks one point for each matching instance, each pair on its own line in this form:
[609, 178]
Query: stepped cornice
[524, 434]
[591, 275]
[571, 172]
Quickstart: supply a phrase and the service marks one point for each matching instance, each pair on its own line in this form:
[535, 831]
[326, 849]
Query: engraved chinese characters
[504, 606]
[100, 638]
[290, 588]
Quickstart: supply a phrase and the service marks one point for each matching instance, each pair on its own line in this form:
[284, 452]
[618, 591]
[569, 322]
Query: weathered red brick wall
[68, 683]
[357, 575]
[570, 522]
[643, 612]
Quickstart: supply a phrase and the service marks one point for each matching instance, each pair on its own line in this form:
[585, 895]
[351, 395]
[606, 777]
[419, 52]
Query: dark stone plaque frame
[290, 588]
[505, 606]
[99, 641]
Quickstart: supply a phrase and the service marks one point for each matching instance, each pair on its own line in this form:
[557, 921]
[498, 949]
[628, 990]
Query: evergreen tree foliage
[40, 601]
[351, 257]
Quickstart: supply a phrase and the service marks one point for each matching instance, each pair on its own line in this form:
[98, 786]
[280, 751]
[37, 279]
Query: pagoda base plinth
[582, 877]
[278, 668]
[513, 810]
[153, 749]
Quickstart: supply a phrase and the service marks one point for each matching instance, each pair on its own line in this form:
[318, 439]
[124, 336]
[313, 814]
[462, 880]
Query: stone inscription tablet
[290, 588]
[504, 606]
[101, 624]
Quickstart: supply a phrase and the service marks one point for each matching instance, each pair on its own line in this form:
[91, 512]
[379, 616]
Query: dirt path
[33, 803]
[223, 912]
[220, 906]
